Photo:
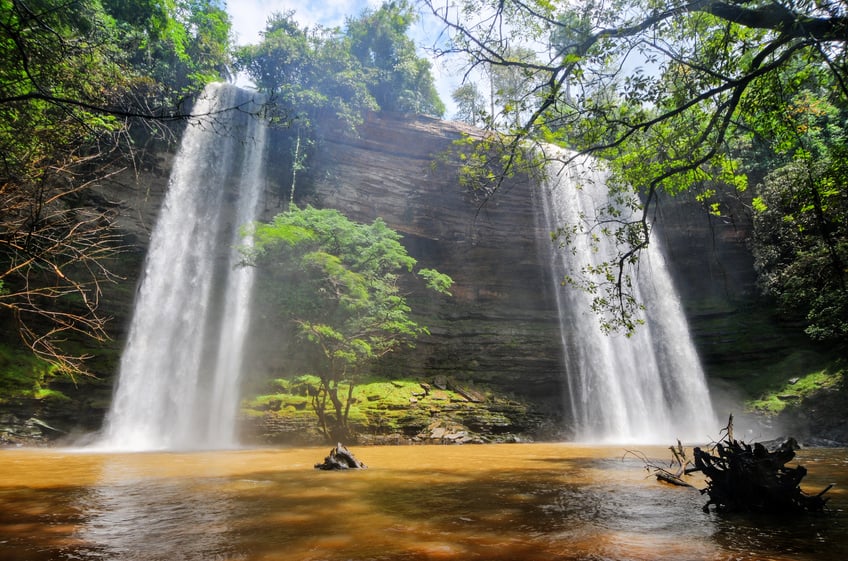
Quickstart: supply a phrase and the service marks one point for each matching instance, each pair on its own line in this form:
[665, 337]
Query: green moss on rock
[397, 410]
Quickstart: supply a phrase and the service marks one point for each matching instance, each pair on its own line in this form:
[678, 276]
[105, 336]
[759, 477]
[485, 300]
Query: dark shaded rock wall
[737, 332]
[500, 327]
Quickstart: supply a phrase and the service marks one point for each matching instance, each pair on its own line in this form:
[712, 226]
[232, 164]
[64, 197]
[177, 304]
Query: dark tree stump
[340, 458]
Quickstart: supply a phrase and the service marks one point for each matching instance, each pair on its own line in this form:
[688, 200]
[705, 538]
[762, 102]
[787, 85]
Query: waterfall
[647, 388]
[179, 372]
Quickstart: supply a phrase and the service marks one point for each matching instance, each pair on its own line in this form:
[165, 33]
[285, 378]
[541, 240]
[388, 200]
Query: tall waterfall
[647, 388]
[179, 372]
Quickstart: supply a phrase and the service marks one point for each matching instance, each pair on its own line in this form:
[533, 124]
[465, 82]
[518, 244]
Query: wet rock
[15, 431]
[340, 458]
[440, 382]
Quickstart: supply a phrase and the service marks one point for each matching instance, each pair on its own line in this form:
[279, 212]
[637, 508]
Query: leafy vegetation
[78, 78]
[371, 65]
[336, 281]
[801, 205]
[398, 79]
[676, 97]
[23, 375]
[319, 80]
[778, 396]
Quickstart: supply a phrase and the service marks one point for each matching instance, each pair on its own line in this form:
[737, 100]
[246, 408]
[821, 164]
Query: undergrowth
[784, 392]
[23, 375]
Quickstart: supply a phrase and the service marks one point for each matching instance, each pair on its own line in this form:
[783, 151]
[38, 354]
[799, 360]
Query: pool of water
[490, 502]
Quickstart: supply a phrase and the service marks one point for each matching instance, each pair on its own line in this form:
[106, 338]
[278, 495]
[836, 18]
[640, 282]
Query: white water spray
[180, 370]
[648, 388]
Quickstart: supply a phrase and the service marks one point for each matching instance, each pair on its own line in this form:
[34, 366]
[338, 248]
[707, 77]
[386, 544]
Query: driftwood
[340, 458]
[665, 474]
[742, 477]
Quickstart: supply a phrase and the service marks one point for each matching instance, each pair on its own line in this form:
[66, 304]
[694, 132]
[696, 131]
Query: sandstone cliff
[500, 326]
[500, 329]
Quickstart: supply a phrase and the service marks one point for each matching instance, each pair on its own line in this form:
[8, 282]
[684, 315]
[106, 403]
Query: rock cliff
[499, 330]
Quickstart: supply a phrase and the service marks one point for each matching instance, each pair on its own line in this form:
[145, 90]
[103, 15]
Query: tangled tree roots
[744, 478]
[741, 477]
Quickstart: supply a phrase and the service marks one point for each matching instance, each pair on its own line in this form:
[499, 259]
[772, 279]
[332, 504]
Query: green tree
[397, 77]
[179, 44]
[660, 91]
[307, 73]
[801, 245]
[72, 91]
[371, 65]
[510, 81]
[470, 104]
[317, 78]
[801, 206]
[337, 282]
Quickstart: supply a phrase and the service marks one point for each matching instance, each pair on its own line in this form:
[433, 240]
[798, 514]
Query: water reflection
[494, 503]
[129, 516]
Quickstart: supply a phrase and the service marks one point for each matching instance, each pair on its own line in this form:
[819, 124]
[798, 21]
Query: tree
[312, 83]
[658, 90]
[398, 79]
[509, 84]
[371, 65]
[319, 78]
[307, 73]
[800, 207]
[470, 104]
[180, 44]
[337, 282]
[71, 93]
[801, 245]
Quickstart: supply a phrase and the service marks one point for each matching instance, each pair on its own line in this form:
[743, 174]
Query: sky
[249, 18]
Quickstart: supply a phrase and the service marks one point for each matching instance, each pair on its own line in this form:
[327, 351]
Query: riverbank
[40, 408]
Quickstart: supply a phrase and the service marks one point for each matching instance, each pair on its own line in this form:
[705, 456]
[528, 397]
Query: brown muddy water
[487, 502]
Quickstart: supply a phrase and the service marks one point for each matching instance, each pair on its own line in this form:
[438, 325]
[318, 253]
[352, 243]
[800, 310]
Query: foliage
[76, 78]
[307, 72]
[470, 104]
[370, 65]
[668, 93]
[180, 44]
[801, 205]
[23, 375]
[337, 282]
[801, 244]
[397, 78]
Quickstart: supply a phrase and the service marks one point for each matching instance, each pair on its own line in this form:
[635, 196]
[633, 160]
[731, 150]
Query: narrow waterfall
[179, 373]
[647, 388]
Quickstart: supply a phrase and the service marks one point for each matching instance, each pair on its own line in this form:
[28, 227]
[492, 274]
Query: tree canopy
[337, 282]
[675, 97]
[76, 77]
[370, 65]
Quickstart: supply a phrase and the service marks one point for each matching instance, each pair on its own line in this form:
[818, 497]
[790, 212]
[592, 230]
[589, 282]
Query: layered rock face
[737, 332]
[500, 327]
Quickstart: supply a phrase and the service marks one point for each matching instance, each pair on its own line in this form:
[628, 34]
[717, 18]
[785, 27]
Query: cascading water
[647, 388]
[179, 372]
